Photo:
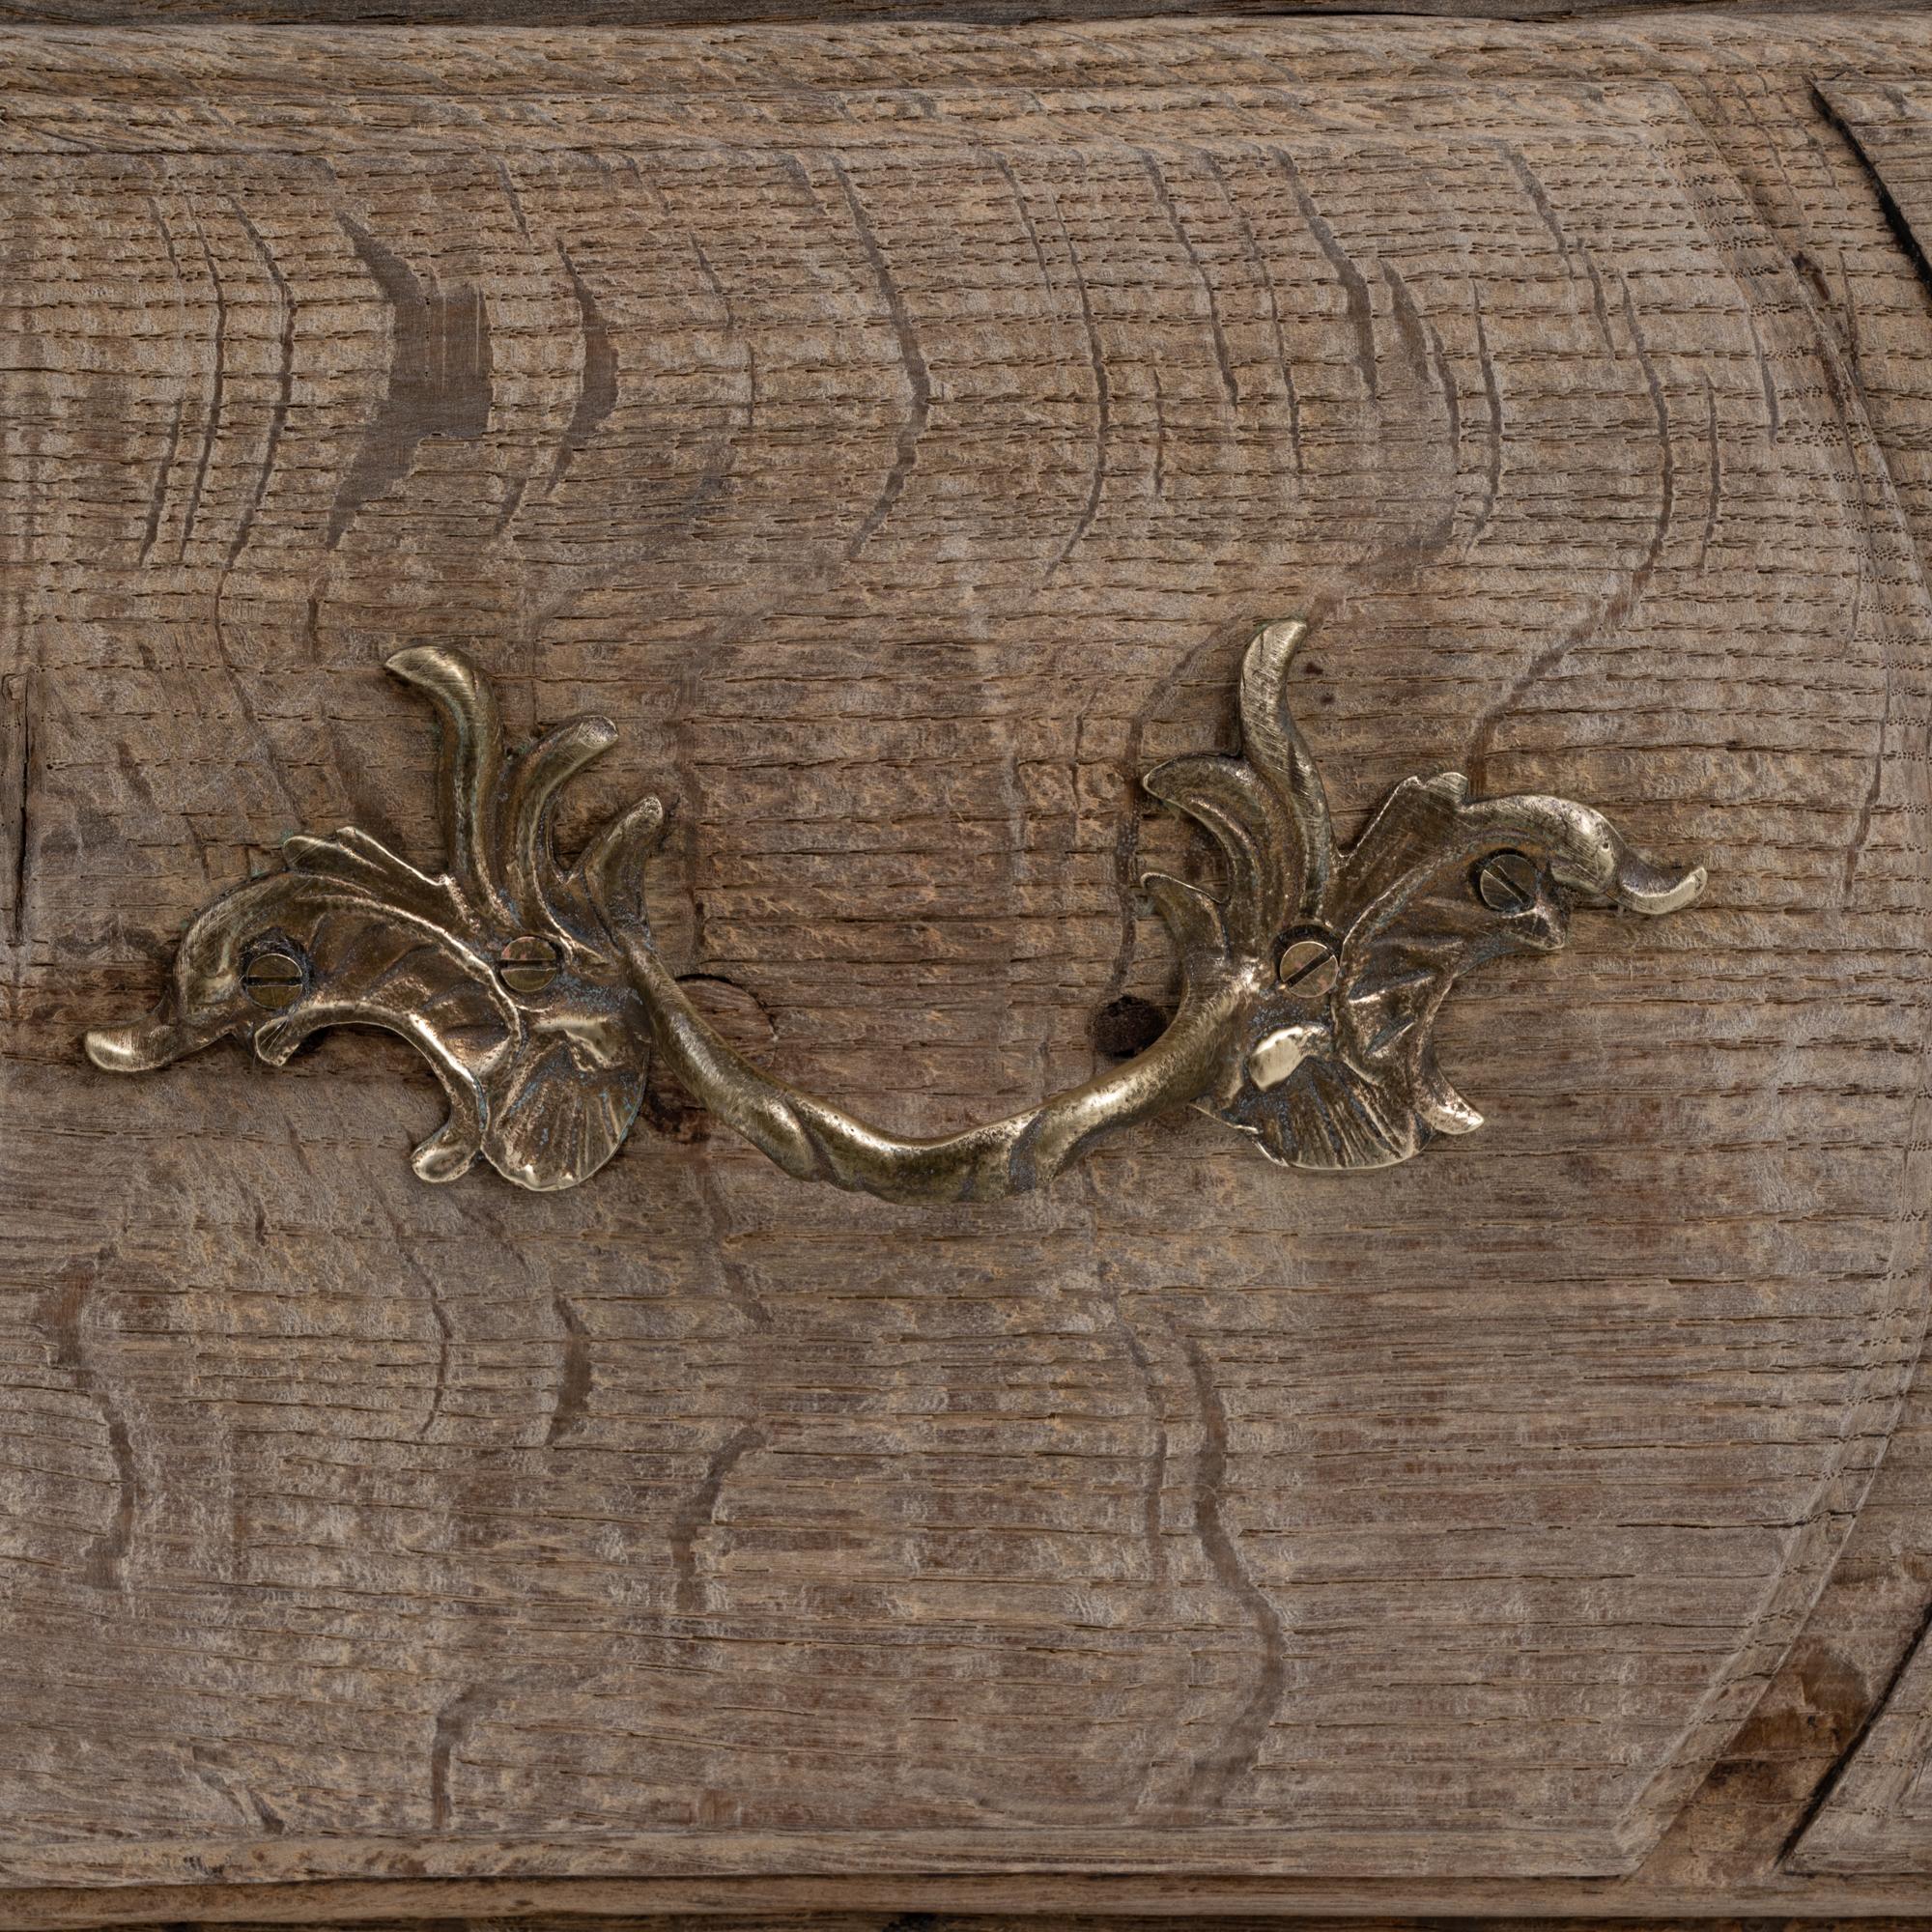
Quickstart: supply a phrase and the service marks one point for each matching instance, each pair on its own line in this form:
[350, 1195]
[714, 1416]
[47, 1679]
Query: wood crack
[64, 1316]
[597, 376]
[700, 1510]
[919, 379]
[18, 695]
[438, 378]
[1216, 1774]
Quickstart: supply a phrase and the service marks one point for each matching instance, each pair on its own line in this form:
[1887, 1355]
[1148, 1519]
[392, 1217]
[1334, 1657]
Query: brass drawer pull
[534, 989]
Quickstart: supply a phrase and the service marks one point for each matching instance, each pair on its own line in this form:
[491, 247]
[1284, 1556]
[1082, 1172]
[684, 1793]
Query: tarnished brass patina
[1309, 990]
[497, 970]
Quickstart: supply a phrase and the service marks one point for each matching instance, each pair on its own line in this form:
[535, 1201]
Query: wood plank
[672, 13]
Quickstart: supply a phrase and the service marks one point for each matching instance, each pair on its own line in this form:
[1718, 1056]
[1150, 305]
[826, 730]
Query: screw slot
[274, 979]
[528, 964]
[1308, 965]
[1508, 882]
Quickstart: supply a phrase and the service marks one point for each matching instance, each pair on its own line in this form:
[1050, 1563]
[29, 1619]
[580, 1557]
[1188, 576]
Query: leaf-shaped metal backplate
[1341, 962]
[544, 1069]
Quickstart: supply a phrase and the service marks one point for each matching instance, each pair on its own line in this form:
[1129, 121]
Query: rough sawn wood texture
[897, 434]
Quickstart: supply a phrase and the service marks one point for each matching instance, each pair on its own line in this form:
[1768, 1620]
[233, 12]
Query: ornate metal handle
[1309, 992]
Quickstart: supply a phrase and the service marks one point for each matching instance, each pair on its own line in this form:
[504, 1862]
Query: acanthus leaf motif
[543, 1080]
[1336, 1069]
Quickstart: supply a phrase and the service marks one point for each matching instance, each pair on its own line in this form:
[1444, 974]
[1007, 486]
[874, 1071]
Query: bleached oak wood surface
[897, 432]
[657, 14]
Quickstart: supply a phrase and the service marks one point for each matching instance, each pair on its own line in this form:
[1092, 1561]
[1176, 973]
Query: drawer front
[899, 438]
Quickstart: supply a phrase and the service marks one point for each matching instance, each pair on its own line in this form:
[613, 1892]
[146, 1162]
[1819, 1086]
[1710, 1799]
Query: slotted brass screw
[1308, 965]
[1507, 882]
[274, 979]
[528, 964]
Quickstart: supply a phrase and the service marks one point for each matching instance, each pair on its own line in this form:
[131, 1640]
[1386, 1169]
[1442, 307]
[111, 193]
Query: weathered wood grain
[660, 14]
[1872, 1817]
[1016, 1919]
[897, 434]
[1889, 122]
[1860, 1817]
